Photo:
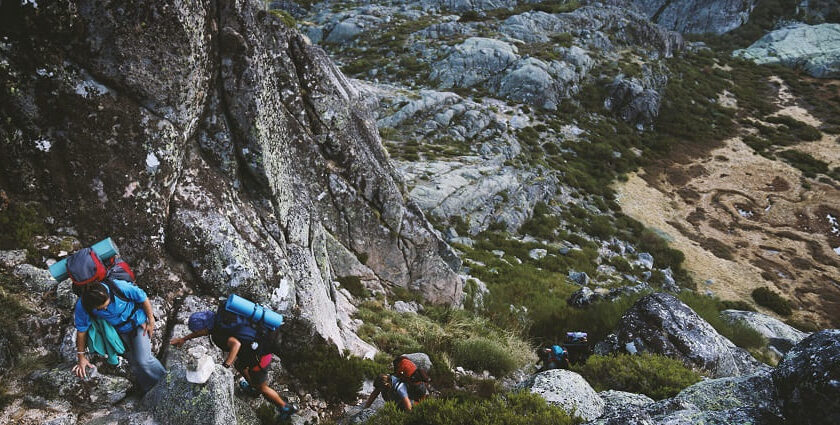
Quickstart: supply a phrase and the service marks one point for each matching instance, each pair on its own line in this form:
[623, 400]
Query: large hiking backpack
[415, 378]
[228, 325]
[85, 267]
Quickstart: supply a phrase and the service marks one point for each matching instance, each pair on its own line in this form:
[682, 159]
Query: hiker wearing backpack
[391, 389]
[554, 357]
[408, 385]
[241, 340]
[110, 302]
[127, 308]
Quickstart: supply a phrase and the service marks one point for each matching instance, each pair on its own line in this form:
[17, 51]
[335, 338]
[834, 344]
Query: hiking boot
[287, 411]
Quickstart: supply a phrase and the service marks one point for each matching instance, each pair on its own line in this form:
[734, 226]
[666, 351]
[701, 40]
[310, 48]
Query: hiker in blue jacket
[554, 357]
[127, 308]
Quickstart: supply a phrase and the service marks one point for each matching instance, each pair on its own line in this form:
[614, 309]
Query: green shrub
[806, 163]
[709, 309]
[479, 354]
[20, 222]
[654, 375]
[522, 408]
[353, 285]
[337, 378]
[736, 305]
[766, 298]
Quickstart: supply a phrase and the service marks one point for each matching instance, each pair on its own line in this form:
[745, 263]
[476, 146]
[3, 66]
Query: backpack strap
[117, 292]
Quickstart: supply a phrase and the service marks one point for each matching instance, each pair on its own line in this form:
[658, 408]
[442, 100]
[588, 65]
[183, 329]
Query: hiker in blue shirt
[127, 308]
[554, 357]
[392, 389]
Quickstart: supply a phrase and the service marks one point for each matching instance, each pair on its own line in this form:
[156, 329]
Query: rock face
[567, 390]
[662, 324]
[176, 401]
[227, 152]
[780, 335]
[808, 380]
[814, 48]
[696, 17]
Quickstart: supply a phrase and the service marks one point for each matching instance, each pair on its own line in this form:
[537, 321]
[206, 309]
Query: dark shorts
[257, 370]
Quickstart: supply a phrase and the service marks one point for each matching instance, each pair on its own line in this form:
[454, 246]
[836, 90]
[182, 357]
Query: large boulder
[808, 380]
[176, 401]
[567, 390]
[660, 323]
[749, 399]
[780, 335]
[814, 48]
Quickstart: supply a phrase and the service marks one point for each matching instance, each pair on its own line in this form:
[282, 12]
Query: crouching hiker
[241, 340]
[127, 308]
[554, 357]
[391, 389]
[408, 385]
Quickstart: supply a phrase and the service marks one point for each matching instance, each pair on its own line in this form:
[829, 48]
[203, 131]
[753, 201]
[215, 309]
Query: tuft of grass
[479, 353]
[521, 408]
[767, 298]
[654, 375]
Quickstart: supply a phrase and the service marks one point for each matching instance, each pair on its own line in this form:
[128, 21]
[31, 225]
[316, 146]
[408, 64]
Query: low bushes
[450, 337]
[522, 408]
[337, 378]
[766, 298]
[654, 375]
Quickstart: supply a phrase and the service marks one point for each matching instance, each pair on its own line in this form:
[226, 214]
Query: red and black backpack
[85, 267]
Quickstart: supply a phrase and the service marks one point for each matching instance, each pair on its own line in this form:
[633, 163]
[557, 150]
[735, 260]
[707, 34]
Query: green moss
[656, 376]
[284, 17]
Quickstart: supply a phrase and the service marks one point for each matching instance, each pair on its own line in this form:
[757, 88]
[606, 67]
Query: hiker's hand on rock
[148, 327]
[81, 368]
[177, 341]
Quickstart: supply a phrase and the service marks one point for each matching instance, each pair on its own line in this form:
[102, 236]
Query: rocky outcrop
[660, 323]
[176, 401]
[620, 403]
[808, 380]
[743, 399]
[780, 335]
[813, 48]
[226, 151]
[695, 17]
[567, 390]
